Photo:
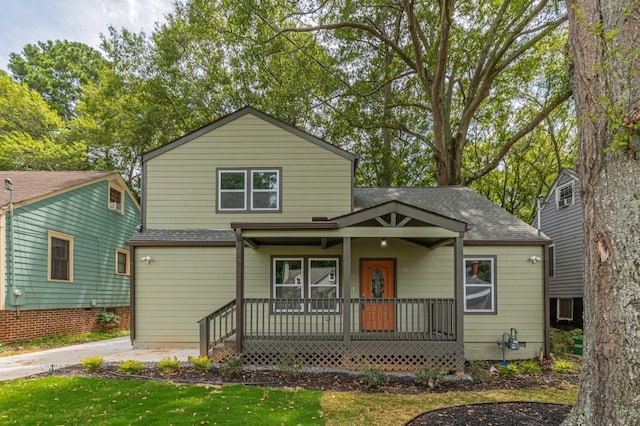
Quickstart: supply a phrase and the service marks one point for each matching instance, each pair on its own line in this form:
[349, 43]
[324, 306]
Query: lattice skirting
[354, 355]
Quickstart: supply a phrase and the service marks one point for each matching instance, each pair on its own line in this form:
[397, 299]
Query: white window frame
[117, 207]
[558, 316]
[248, 191]
[221, 191]
[254, 191]
[297, 284]
[492, 285]
[69, 239]
[335, 283]
[559, 200]
[120, 251]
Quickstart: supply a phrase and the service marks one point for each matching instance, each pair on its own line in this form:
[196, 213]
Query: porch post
[346, 288]
[239, 289]
[458, 261]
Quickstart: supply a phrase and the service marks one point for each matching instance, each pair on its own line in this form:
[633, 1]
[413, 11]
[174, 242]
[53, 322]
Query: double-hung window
[249, 190]
[305, 284]
[564, 195]
[122, 261]
[480, 284]
[60, 264]
[116, 199]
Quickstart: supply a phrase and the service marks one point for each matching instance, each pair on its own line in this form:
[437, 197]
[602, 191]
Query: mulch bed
[515, 413]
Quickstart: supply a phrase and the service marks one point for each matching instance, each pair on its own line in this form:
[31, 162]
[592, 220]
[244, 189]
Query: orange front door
[377, 282]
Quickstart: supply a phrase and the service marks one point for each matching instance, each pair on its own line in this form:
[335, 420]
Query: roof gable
[400, 214]
[29, 186]
[242, 112]
[566, 175]
[490, 222]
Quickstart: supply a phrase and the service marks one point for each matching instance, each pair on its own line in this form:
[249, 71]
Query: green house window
[60, 257]
[116, 199]
[122, 262]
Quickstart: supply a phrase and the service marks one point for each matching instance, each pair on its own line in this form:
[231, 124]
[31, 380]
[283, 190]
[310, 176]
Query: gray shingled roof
[490, 221]
[148, 236]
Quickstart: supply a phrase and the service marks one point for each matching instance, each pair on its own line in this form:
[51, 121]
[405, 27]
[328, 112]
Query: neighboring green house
[63, 256]
[254, 229]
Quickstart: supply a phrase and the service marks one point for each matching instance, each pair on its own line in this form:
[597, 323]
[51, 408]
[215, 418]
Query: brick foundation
[35, 323]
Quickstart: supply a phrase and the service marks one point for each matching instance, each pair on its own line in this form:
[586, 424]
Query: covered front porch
[363, 321]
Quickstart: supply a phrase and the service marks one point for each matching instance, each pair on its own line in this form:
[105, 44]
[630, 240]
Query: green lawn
[80, 401]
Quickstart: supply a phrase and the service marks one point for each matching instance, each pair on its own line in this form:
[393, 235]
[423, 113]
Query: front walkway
[112, 350]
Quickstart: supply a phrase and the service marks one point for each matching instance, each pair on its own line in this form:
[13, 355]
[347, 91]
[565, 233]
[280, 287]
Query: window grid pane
[59, 259]
[122, 263]
[232, 190]
[287, 284]
[324, 285]
[264, 190]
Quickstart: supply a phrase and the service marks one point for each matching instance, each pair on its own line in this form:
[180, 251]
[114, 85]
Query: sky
[29, 21]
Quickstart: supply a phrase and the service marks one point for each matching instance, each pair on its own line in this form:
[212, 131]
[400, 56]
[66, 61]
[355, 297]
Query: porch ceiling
[256, 239]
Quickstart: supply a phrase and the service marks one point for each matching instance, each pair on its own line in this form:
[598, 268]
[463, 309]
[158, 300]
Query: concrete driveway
[112, 350]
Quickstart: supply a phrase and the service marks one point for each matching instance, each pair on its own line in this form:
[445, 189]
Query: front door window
[377, 283]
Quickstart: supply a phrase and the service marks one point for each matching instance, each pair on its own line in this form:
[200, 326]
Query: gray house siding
[563, 224]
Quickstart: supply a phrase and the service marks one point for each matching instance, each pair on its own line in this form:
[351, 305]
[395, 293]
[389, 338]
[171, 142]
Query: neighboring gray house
[561, 220]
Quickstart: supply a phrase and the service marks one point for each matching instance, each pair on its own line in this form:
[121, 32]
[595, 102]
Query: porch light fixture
[383, 243]
[146, 259]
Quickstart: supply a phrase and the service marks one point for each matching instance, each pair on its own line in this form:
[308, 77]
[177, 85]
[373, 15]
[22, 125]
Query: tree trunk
[606, 87]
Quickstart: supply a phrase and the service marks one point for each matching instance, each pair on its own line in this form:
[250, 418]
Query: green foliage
[169, 365]
[563, 366]
[576, 332]
[231, 366]
[530, 367]
[561, 342]
[106, 317]
[80, 400]
[512, 369]
[478, 371]
[430, 378]
[57, 70]
[290, 364]
[373, 377]
[92, 364]
[130, 366]
[201, 363]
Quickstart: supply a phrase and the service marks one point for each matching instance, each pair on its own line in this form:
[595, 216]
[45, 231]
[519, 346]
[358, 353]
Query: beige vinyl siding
[180, 286]
[314, 180]
[520, 305]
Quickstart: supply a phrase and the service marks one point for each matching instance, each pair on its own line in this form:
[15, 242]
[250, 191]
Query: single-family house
[63, 252]
[255, 239]
[560, 218]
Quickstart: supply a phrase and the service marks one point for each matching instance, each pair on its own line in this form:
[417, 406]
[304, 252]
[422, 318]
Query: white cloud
[29, 21]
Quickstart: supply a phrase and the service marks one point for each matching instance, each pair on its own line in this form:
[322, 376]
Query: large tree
[463, 71]
[604, 41]
[31, 134]
[57, 70]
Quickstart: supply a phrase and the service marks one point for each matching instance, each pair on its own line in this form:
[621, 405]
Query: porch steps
[223, 349]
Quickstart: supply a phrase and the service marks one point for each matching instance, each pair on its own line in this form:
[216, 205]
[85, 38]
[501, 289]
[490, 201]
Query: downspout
[538, 211]
[132, 294]
[8, 183]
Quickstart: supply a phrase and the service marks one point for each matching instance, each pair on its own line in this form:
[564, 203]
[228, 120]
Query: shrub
[510, 370]
[106, 317]
[561, 342]
[169, 365]
[290, 364]
[92, 364]
[563, 366]
[202, 363]
[530, 367]
[478, 371]
[373, 377]
[231, 366]
[130, 366]
[430, 378]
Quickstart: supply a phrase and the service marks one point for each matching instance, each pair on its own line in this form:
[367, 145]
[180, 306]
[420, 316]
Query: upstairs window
[60, 262]
[255, 190]
[564, 195]
[116, 199]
